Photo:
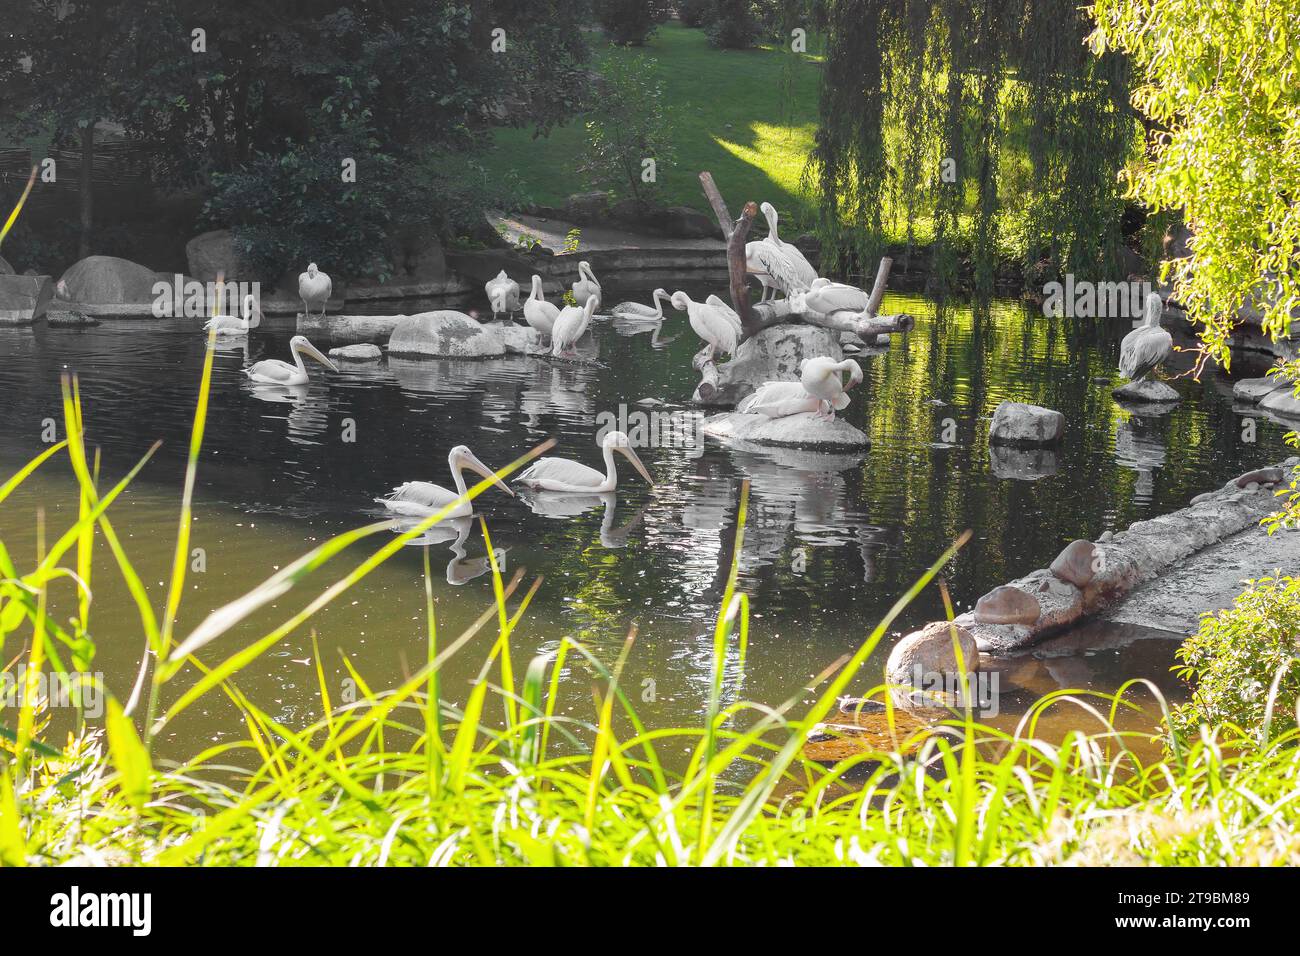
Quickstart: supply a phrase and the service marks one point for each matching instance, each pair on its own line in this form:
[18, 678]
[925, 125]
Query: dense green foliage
[628, 127]
[630, 22]
[985, 128]
[1244, 662]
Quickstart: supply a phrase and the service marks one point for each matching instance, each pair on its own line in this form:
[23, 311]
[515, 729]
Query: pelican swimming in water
[539, 313]
[276, 372]
[821, 378]
[314, 288]
[570, 325]
[635, 310]
[564, 475]
[828, 297]
[419, 499]
[503, 294]
[227, 326]
[1147, 346]
[778, 266]
[586, 286]
[713, 321]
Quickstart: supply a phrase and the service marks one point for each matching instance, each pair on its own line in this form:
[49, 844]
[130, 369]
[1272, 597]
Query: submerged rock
[69, 319]
[1149, 391]
[1022, 464]
[1019, 424]
[357, 353]
[1076, 564]
[445, 334]
[1007, 605]
[804, 430]
[24, 299]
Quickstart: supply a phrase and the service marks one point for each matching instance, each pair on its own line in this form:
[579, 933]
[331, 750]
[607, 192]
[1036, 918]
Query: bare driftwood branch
[718, 203]
[878, 287]
[862, 324]
[736, 234]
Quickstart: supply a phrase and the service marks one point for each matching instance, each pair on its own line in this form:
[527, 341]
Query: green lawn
[731, 115]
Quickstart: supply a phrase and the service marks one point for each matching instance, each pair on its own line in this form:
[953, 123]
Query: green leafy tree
[1220, 88]
[630, 22]
[629, 128]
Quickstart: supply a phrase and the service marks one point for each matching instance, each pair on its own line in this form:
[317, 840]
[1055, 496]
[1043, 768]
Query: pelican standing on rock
[565, 475]
[227, 326]
[276, 372]
[635, 310]
[714, 322]
[314, 288]
[539, 313]
[586, 286]
[570, 325]
[419, 499]
[778, 266]
[821, 378]
[1146, 347]
[503, 294]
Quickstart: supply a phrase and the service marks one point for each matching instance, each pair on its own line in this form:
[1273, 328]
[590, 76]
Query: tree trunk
[87, 196]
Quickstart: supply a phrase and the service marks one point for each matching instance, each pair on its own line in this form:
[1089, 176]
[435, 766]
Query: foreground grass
[401, 776]
[731, 113]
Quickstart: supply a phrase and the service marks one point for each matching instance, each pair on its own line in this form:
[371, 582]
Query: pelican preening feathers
[821, 389]
[503, 294]
[314, 288]
[538, 313]
[572, 477]
[570, 325]
[1146, 347]
[829, 297]
[586, 286]
[227, 326]
[276, 372]
[420, 499]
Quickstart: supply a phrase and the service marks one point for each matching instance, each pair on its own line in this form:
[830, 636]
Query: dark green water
[831, 541]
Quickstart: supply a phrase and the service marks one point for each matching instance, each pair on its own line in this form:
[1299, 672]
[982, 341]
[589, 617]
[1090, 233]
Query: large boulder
[445, 334]
[24, 299]
[1007, 605]
[1252, 390]
[586, 207]
[773, 355]
[1282, 402]
[214, 252]
[107, 280]
[1077, 563]
[1018, 424]
[804, 430]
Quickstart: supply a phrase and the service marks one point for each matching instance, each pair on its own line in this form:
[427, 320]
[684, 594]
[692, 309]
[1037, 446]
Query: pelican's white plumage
[727, 312]
[827, 297]
[586, 286]
[539, 313]
[805, 274]
[635, 310]
[822, 378]
[419, 499]
[716, 324]
[570, 325]
[503, 294]
[227, 326]
[573, 477]
[1146, 347]
[315, 288]
[779, 399]
[276, 372]
[779, 266]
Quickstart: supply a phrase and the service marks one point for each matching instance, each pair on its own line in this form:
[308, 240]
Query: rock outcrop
[445, 334]
[1148, 391]
[1021, 425]
[24, 299]
[804, 430]
[108, 280]
[773, 355]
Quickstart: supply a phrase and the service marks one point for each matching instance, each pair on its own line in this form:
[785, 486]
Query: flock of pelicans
[778, 266]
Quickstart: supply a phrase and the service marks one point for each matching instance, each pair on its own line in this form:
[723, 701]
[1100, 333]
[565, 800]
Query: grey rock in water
[1022, 464]
[804, 430]
[773, 355]
[1007, 605]
[445, 334]
[24, 299]
[1252, 390]
[1076, 563]
[69, 319]
[108, 280]
[365, 352]
[930, 651]
[1147, 391]
[1282, 402]
[1260, 476]
[1019, 424]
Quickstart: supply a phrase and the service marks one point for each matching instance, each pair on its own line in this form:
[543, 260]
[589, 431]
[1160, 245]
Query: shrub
[629, 127]
[1236, 655]
[694, 13]
[630, 22]
[732, 25]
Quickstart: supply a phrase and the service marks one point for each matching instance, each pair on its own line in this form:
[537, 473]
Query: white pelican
[570, 325]
[227, 326]
[635, 310]
[827, 297]
[586, 286]
[276, 372]
[314, 288]
[1147, 346]
[779, 266]
[503, 294]
[419, 499]
[779, 400]
[562, 474]
[728, 312]
[821, 378]
[711, 323]
[539, 313]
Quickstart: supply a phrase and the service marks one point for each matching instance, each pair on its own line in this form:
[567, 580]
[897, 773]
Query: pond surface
[831, 541]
